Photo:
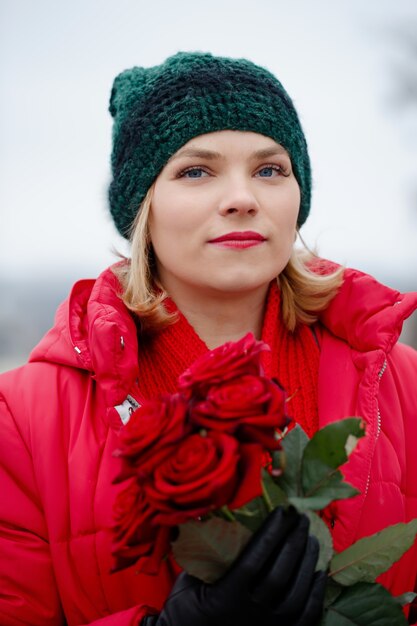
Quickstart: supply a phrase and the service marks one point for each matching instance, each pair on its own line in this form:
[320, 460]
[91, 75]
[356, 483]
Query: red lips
[242, 235]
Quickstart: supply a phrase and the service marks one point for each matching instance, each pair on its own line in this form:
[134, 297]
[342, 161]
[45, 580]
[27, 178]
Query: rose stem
[227, 513]
[266, 498]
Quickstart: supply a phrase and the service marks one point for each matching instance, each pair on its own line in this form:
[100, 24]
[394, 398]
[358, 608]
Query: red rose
[146, 439]
[251, 407]
[203, 474]
[249, 471]
[231, 360]
[135, 536]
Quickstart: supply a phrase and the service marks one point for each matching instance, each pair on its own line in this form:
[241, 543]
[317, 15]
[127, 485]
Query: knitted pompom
[126, 88]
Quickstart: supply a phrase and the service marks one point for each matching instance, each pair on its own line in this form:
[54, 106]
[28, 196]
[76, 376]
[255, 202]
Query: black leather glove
[272, 583]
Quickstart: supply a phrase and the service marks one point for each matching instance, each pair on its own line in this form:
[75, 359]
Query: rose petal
[249, 484]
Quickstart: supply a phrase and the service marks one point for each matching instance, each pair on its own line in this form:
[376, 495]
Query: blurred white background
[350, 67]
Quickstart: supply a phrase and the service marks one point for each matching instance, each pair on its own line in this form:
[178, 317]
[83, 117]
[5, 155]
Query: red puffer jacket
[59, 426]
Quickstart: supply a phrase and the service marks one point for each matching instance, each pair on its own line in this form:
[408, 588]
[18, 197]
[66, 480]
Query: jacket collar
[95, 332]
[366, 314]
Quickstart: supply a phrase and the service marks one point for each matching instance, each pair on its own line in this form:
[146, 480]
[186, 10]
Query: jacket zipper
[378, 425]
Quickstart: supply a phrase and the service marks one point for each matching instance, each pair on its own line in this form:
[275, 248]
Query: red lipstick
[239, 239]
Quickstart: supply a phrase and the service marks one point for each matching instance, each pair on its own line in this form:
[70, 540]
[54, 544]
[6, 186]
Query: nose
[238, 199]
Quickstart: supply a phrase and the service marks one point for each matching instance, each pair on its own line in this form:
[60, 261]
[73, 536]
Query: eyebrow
[211, 155]
[272, 151]
[196, 152]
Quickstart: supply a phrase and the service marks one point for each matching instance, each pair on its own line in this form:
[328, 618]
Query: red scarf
[293, 360]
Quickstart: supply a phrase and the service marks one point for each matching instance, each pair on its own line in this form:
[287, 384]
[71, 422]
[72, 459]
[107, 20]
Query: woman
[211, 180]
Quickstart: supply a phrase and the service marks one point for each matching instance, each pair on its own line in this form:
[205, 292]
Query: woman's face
[223, 214]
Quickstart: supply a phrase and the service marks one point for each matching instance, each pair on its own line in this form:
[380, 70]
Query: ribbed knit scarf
[293, 360]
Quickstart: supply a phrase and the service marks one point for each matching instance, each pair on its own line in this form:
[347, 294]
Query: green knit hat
[157, 110]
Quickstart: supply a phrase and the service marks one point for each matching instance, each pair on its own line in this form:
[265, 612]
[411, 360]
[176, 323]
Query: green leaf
[319, 529]
[272, 492]
[207, 549]
[334, 489]
[332, 591]
[325, 452]
[371, 556]
[252, 514]
[362, 605]
[329, 443]
[405, 598]
[293, 445]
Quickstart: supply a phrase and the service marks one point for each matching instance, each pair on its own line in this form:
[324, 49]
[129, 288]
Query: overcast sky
[335, 58]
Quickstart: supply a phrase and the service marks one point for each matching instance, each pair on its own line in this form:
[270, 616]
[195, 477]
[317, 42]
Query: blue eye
[194, 172]
[267, 172]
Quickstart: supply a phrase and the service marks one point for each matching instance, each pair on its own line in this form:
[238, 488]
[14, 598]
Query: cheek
[294, 198]
[177, 219]
[172, 232]
[287, 216]
[164, 223]
[170, 210]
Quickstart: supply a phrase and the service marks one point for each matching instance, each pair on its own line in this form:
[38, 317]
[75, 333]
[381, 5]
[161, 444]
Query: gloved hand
[272, 583]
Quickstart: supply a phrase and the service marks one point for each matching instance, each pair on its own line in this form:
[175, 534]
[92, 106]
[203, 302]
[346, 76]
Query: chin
[240, 284]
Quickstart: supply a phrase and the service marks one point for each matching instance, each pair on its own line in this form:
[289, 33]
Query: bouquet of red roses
[204, 467]
[193, 453]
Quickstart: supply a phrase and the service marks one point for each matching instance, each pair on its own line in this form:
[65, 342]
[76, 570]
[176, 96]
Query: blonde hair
[304, 292]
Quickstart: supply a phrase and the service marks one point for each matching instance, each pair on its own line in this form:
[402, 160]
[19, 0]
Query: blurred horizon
[36, 300]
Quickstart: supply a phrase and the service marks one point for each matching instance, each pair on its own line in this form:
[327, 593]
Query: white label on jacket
[126, 409]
